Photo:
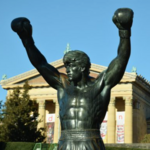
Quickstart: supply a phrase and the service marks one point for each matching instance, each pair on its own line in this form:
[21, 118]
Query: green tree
[1, 107]
[19, 118]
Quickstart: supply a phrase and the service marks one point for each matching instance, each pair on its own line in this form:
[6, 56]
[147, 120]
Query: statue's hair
[79, 57]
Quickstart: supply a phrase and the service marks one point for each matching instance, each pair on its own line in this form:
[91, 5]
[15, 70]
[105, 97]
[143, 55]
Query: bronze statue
[83, 101]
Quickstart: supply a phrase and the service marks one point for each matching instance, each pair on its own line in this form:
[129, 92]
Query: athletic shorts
[80, 140]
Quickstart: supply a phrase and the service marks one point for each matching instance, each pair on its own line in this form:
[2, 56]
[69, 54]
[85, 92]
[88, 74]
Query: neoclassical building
[128, 110]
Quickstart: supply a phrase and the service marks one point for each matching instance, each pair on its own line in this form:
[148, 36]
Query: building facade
[128, 110]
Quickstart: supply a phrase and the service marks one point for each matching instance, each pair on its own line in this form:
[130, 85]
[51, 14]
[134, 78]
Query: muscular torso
[79, 109]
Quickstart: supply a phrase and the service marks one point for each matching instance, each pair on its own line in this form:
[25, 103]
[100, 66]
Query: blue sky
[85, 24]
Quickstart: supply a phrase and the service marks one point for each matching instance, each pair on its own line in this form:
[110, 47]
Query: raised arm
[24, 29]
[123, 20]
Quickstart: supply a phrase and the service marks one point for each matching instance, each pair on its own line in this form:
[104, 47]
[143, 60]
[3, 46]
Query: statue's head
[77, 60]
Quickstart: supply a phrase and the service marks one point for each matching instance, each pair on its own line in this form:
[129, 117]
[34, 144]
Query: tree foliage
[1, 107]
[19, 118]
[146, 139]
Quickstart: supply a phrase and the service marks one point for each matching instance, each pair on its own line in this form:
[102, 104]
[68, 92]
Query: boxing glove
[123, 18]
[22, 26]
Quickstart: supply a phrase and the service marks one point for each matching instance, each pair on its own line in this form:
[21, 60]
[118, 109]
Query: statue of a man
[83, 101]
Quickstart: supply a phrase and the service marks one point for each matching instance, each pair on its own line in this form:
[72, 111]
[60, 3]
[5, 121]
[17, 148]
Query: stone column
[128, 119]
[41, 112]
[111, 121]
[56, 128]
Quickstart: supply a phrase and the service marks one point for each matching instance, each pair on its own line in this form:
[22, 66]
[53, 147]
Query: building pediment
[36, 80]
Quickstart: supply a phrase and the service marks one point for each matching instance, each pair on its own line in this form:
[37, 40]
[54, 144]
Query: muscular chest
[74, 98]
[75, 104]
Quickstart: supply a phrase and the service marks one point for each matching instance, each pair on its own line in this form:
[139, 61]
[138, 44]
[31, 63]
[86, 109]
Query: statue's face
[74, 71]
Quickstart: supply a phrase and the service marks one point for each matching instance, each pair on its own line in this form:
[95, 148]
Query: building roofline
[59, 63]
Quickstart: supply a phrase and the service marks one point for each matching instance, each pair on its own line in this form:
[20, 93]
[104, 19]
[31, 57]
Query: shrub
[146, 139]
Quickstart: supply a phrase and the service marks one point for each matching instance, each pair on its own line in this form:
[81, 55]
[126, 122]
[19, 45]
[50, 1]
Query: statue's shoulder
[64, 80]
